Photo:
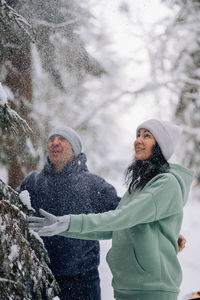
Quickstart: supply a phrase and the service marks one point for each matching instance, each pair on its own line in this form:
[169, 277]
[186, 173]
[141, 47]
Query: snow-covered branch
[8, 14]
[7, 193]
[25, 273]
[10, 121]
[53, 25]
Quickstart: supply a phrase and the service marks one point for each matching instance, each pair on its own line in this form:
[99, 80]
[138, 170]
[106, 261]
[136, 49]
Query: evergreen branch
[12, 281]
[10, 121]
[29, 264]
[7, 193]
[7, 13]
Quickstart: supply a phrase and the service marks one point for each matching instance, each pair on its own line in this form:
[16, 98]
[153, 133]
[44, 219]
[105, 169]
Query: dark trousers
[80, 287]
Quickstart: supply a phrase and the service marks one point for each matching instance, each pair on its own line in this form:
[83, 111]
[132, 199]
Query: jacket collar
[75, 166]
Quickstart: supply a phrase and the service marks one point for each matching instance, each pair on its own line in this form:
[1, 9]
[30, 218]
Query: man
[65, 186]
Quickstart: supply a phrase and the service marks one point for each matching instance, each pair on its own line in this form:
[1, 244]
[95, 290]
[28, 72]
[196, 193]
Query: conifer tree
[24, 271]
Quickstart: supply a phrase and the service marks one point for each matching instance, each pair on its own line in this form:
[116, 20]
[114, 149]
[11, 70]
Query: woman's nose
[138, 140]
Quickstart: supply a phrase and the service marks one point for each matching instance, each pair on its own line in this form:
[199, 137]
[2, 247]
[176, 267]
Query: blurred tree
[188, 110]
[15, 62]
[183, 51]
[173, 48]
[24, 271]
[54, 28]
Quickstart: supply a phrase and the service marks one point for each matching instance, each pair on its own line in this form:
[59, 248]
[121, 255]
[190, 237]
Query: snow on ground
[189, 257]
[105, 274]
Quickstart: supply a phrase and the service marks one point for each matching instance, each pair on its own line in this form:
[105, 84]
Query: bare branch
[146, 88]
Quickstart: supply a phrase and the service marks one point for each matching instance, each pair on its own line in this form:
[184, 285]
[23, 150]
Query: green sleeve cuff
[76, 222]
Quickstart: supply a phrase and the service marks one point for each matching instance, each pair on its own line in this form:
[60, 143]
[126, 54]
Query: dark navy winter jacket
[74, 190]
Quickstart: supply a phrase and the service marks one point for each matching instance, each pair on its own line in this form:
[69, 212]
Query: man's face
[59, 151]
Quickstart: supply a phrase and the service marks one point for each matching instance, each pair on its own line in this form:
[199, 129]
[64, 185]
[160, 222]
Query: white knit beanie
[165, 133]
[71, 136]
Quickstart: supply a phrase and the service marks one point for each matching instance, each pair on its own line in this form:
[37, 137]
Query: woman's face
[143, 144]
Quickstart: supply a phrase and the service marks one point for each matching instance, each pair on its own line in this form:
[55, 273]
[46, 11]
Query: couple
[144, 227]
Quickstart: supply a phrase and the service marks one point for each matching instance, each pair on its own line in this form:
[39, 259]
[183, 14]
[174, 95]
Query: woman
[145, 226]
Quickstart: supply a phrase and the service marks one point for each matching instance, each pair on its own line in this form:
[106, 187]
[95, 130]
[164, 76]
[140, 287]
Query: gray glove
[49, 225]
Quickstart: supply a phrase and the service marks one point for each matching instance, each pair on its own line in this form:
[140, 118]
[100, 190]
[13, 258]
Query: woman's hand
[49, 225]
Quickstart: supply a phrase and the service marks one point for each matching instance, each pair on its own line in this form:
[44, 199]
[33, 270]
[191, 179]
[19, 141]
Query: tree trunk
[19, 81]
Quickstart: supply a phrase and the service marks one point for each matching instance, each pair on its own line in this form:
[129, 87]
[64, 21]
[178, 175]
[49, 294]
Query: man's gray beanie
[165, 133]
[71, 136]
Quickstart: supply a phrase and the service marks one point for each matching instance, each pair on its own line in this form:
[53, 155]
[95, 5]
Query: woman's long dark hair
[139, 173]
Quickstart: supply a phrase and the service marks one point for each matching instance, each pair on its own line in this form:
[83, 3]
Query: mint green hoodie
[144, 229]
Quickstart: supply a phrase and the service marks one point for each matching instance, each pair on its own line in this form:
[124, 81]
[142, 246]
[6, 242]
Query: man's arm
[181, 242]
[104, 196]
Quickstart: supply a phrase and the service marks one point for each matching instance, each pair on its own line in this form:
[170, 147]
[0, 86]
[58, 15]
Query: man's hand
[181, 242]
[49, 225]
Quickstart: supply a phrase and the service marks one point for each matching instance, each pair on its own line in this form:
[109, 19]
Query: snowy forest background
[100, 67]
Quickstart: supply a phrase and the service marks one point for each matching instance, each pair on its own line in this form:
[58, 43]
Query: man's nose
[55, 140]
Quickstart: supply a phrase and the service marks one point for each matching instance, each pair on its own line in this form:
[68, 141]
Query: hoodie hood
[184, 176]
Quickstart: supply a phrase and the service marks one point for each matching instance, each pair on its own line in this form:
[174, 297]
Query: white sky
[125, 31]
